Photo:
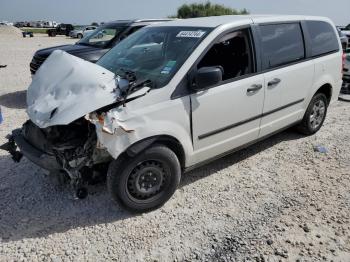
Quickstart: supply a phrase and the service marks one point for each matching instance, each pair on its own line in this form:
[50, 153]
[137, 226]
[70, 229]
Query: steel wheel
[146, 180]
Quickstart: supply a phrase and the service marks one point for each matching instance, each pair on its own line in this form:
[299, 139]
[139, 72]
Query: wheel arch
[169, 141]
[327, 90]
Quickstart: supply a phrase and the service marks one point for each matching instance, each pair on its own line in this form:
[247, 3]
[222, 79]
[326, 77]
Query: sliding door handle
[254, 88]
[274, 82]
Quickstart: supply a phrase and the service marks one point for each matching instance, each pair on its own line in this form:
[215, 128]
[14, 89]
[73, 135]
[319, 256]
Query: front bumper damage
[74, 157]
[74, 130]
[38, 157]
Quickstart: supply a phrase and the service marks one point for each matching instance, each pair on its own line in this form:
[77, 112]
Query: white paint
[77, 88]
[72, 85]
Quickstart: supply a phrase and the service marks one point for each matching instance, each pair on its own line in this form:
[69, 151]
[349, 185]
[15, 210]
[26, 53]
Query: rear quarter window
[282, 44]
[323, 38]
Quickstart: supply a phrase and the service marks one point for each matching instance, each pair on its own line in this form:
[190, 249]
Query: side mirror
[206, 77]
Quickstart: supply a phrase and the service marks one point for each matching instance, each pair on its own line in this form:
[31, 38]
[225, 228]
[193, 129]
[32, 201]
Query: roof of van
[131, 21]
[215, 21]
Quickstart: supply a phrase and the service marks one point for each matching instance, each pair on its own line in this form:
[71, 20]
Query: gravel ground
[278, 200]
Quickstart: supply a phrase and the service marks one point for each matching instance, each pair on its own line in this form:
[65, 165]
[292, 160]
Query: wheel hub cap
[317, 114]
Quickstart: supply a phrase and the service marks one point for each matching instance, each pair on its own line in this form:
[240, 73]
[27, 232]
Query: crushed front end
[69, 151]
[69, 103]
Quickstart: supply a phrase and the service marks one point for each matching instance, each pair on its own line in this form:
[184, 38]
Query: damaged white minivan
[173, 96]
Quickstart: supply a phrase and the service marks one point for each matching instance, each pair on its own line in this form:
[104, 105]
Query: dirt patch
[10, 30]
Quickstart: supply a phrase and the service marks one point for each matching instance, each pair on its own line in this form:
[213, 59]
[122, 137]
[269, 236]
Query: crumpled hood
[66, 88]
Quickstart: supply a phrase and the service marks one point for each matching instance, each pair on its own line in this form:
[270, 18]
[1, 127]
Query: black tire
[309, 125]
[129, 179]
[80, 36]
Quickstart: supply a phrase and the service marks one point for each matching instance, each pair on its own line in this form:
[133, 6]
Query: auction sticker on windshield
[168, 67]
[195, 34]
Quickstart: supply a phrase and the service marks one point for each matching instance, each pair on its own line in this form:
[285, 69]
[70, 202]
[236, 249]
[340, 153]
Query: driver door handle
[274, 82]
[254, 88]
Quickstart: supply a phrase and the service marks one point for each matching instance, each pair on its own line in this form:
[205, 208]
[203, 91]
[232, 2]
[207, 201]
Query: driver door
[228, 115]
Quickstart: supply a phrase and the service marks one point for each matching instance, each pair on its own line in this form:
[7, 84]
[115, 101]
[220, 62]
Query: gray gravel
[276, 200]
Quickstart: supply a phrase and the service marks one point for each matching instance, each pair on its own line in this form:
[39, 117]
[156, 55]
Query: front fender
[123, 126]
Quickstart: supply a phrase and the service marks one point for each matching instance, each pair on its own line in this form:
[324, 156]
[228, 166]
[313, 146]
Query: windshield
[154, 53]
[102, 36]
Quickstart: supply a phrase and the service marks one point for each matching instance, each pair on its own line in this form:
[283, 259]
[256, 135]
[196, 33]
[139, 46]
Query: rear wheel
[314, 115]
[144, 182]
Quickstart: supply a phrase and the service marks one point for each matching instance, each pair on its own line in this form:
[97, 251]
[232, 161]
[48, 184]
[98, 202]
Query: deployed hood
[66, 88]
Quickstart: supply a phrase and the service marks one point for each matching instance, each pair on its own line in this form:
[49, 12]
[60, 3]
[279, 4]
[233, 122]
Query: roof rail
[153, 20]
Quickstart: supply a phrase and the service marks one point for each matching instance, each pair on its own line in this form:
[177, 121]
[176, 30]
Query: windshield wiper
[82, 43]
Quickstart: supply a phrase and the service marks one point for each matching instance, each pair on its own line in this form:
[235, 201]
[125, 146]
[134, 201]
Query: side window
[131, 31]
[281, 44]
[233, 53]
[323, 38]
[134, 29]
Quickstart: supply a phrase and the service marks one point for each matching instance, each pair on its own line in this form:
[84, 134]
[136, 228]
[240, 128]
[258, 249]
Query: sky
[88, 11]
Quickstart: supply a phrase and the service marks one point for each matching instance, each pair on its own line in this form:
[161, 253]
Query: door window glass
[232, 53]
[281, 44]
[323, 38]
[102, 36]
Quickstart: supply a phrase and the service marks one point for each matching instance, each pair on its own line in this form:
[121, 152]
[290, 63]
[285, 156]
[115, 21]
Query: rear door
[288, 75]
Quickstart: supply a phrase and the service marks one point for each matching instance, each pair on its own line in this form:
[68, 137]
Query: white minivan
[173, 96]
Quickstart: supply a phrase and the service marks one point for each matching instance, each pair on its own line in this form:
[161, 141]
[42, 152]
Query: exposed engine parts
[73, 147]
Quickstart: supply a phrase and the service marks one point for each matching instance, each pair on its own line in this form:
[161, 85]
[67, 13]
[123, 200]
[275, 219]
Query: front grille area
[36, 63]
[36, 137]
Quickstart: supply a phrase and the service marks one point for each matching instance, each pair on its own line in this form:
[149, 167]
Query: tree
[94, 23]
[207, 9]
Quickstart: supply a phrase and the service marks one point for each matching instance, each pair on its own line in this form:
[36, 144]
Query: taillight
[343, 62]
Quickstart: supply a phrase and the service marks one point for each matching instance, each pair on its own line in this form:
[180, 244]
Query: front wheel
[146, 181]
[314, 115]
[80, 36]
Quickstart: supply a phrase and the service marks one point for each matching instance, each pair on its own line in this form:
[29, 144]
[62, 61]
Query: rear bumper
[35, 155]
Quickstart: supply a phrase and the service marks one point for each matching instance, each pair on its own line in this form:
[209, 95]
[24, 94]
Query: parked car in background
[6, 23]
[20, 24]
[50, 24]
[343, 39]
[346, 75]
[86, 33]
[61, 29]
[79, 32]
[1, 117]
[96, 44]
[176, 95]
[346, 30]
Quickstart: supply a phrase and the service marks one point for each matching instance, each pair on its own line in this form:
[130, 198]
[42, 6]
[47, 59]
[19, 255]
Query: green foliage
[35, 30]
[207, 9]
